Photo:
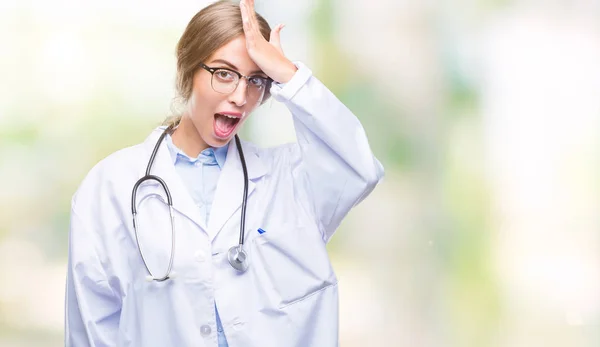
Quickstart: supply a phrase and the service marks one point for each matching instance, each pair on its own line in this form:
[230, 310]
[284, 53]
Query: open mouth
[225, 124]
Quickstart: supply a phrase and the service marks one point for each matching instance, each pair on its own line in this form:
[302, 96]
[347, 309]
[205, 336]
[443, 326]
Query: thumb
[275, 38]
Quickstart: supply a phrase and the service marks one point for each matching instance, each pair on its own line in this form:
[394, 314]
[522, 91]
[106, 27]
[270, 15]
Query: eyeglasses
[225, 81]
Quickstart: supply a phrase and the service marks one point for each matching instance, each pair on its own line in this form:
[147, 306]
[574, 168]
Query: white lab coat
[298, 193]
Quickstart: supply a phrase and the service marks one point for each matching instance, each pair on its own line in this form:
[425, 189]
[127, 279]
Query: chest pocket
[294, 262]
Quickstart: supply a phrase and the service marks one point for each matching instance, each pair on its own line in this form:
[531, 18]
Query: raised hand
[268, 55]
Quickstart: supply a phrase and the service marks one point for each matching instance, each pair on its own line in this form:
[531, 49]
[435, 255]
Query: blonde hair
[210, 29]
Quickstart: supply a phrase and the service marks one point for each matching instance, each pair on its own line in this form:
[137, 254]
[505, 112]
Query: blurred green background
[485, 114]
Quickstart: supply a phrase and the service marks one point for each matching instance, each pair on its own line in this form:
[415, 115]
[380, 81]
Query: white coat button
[205, 330]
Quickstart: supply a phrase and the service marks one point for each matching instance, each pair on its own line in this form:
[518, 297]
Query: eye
[257, 81]
[225, 75]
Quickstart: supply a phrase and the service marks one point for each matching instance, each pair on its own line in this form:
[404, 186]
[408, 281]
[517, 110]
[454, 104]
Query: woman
[129, 284]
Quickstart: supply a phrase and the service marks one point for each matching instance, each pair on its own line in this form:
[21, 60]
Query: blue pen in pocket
[261, 231]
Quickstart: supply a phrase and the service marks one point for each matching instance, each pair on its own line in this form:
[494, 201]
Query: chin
[216, 142]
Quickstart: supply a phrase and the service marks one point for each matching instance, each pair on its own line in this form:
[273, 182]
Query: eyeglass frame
[212, 71]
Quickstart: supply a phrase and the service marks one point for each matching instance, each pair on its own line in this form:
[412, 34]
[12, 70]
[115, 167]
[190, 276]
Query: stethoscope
[237, 256]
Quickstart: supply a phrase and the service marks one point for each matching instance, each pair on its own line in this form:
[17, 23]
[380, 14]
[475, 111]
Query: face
[218, 114]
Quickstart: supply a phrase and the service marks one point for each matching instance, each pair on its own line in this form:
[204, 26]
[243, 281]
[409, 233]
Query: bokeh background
[485, 114]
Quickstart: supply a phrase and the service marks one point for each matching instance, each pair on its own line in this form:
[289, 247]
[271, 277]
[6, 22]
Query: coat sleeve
[92, 307]
[337, 165]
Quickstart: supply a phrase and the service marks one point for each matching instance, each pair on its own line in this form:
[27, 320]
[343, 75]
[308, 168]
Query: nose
[239, 95]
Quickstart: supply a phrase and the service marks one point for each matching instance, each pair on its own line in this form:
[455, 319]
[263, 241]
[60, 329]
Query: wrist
[287, 72]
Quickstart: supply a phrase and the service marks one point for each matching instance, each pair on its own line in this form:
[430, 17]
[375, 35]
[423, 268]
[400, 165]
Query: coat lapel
[163, 167]
[230, 187]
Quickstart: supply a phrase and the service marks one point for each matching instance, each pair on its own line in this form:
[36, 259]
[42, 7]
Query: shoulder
[109, 175]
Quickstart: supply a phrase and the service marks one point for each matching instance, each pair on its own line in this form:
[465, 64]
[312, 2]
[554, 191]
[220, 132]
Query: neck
[187, 138]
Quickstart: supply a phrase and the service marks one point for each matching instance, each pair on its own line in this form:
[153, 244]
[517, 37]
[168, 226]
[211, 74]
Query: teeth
[228, 116]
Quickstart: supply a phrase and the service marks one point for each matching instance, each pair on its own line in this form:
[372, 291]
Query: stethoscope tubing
[237, 256]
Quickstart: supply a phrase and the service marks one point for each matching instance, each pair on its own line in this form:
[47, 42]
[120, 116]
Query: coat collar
[230, 186]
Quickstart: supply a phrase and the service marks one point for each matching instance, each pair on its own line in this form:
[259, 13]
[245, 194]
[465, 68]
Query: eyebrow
[225, 62]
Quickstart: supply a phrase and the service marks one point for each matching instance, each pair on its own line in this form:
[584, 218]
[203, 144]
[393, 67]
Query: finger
[246, 22]
[244, 11]
[253, 18]
[275, 38]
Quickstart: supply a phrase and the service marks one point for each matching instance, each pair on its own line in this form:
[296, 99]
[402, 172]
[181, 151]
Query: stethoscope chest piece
[238, 258]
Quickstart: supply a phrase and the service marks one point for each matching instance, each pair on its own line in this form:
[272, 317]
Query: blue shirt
[200, 175]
